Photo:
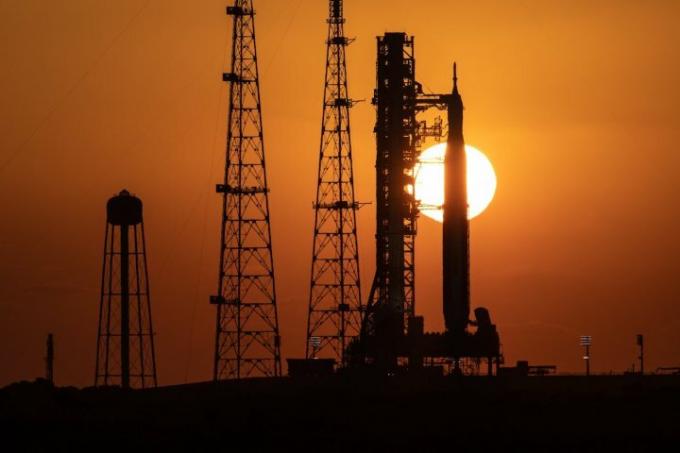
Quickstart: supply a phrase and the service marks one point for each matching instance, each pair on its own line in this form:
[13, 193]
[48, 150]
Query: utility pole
[334, 316]
[49, 359]
[641, 345]
[247, 341]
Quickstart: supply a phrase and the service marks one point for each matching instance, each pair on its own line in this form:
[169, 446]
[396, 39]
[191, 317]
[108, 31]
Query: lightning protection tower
[125, 340]
[334, 317]
[247, 342]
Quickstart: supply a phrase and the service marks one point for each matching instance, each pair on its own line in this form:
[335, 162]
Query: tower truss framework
[247, 341]
[335, 308]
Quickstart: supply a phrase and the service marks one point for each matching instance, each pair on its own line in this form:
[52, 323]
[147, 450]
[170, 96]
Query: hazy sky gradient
[575, 103]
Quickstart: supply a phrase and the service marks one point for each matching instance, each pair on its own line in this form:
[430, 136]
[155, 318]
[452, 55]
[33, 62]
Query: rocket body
[456, 250]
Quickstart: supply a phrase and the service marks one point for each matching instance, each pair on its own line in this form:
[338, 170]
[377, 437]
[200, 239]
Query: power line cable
[59, 102]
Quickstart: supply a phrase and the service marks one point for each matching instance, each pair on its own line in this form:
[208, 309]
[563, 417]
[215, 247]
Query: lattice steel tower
[125, 339]
[334, 317]
[247, 342]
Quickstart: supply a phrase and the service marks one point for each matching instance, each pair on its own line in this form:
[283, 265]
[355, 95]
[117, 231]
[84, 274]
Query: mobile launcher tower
[392, 334]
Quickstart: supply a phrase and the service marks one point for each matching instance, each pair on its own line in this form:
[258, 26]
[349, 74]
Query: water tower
[125, 347]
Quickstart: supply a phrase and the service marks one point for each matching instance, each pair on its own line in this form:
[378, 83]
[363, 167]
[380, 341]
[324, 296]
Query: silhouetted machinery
[392, 335]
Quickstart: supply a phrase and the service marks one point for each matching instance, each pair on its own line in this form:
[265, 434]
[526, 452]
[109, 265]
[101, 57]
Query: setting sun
[429, 186]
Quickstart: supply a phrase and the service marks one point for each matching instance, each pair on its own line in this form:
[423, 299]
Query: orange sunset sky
[576, 103]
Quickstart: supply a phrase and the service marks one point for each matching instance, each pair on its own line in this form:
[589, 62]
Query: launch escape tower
[334, 317]
[125, 338]
[391, 332]
[247, 342]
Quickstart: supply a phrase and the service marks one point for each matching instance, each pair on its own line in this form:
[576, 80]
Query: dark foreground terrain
[600, 413]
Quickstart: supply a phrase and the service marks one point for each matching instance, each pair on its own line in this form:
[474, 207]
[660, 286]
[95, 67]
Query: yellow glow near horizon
[429, 185]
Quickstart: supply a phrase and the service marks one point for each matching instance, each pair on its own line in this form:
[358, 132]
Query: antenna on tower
[247, 341]
[334, 317]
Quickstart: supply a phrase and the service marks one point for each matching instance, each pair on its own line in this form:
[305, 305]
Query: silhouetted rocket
[456, 256]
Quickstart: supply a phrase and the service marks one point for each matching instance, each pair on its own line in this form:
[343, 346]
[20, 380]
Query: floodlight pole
[586, 341]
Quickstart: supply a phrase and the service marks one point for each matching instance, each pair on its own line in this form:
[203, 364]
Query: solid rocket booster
[456, 250]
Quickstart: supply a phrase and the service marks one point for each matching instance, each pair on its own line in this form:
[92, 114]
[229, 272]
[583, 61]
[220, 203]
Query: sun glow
[429, 181]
